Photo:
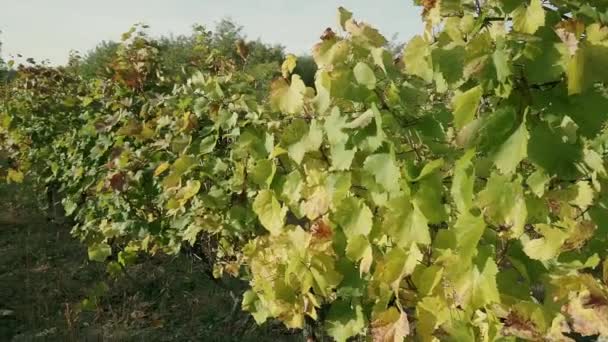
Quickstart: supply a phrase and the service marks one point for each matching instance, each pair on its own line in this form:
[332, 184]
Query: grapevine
[455, 191]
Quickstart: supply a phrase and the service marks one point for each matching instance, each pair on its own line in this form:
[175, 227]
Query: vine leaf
[345, 320]
[465, 105]
[288, 98]
[99, 252]
[354, 216]
[365, 75]
[389, 326]
[384, 169]
[269, 211]
[464, 181]
[513, 151]
[528, 18]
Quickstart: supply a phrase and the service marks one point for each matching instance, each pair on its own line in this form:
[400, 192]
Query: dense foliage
[454, 192]
[181, 56]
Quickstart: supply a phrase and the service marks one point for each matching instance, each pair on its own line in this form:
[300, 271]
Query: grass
[45, 276]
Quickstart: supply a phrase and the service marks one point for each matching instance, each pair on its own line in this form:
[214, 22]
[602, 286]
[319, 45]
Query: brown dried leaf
[118, 181]
[588, 314]
[321, 230]
[569, 32]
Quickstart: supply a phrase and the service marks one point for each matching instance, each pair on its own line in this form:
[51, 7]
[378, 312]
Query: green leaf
[513, 151]
[354, 216]
[334, 125]
[431, 312]
[543, 59]
[323, 86]
[208, 144]
[294, 132]
[465, 105]
[415, 174]
[263, 173]
[584, 195]
[181, 165]
[417, 59]
[463, 182]
[337, 186]
[370, 138]
[449, 63]
[504, 203]
[477, 288]
[345, 320]
[191, 233]
[502, 65]
[468, 231]
[253, 143]
[405, 223]
[383, 59]
[547, 150]
[396, 264]
[325, 275]
[252, 304]
[487, 133]
[384, 169]
[365, 35]
[537, 182]
[528, 18]
[99, 252]
[365, 75]
[584, 67]
[595, 162]
[548, 246]
[429, 198]
[341, 158]
[270, 212]
[291, 191]
[358, 247]
[69, 206]
[127, 258]
[427, 279]
[309, 142]
[343, 16]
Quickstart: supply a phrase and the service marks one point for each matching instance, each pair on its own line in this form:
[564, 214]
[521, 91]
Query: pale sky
[49, 29]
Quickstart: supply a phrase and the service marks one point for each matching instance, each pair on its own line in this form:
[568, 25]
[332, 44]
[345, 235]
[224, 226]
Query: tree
[96, 61]
[3, 66]
[180, 56]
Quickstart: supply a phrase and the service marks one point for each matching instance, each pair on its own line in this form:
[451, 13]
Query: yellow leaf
[289, 65]
[161, 168]
[190, 190]
[15, 176]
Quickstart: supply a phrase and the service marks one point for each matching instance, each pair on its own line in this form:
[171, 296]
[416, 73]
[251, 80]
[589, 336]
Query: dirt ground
[45, 277]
